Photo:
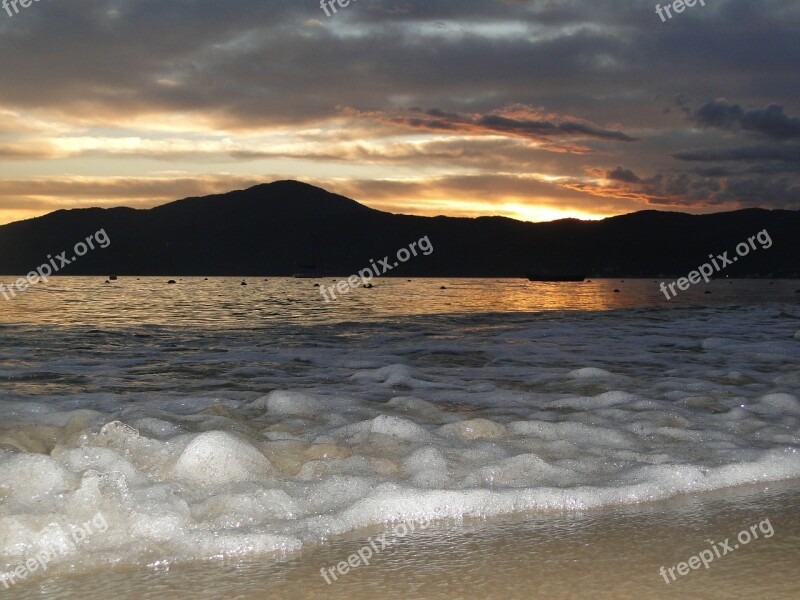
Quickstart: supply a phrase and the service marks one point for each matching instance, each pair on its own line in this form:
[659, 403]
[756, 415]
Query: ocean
[257, 430]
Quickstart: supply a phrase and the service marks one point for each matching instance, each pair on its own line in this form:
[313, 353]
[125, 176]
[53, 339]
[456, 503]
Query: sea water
[207, 419]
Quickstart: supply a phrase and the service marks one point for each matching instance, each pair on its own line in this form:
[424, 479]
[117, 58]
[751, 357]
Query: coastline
[613, 552]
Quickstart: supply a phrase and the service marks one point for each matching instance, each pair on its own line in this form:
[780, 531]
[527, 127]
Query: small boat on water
[555, 277]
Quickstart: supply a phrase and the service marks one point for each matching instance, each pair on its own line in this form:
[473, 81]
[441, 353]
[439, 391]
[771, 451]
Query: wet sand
[611, 553]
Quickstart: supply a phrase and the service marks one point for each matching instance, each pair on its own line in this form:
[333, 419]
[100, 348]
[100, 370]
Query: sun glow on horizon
[435, 205]
[511, 208]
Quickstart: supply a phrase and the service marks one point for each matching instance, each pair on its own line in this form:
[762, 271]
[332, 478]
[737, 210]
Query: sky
[535, 110]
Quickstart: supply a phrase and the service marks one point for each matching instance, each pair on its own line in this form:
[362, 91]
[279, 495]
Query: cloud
[543, 90]
[770, 121]
[716, 188]
[626, 175]
[515, 121]
[783, 153]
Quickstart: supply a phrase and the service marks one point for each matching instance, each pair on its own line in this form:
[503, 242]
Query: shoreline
[611, 552]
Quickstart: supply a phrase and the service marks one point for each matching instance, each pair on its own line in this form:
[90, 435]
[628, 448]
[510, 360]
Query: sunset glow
[278, 91]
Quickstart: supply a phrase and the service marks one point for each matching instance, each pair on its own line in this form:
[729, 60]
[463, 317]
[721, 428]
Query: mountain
[279, 228]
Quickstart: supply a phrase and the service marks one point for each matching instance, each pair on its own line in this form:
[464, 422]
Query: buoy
[616, 291]
[112, 277]
[171, 281]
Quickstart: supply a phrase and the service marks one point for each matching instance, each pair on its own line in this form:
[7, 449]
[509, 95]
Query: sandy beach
[614, 552]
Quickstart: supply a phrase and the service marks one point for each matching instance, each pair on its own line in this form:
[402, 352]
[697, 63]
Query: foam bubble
[31, 476]
[216, 457]
[285, 403]
[474, 429]
[590, 373]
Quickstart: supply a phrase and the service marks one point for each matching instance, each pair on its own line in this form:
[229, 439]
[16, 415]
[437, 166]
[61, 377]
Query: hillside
[276, 229]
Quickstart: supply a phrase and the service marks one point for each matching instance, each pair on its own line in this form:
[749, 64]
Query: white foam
[215, 458]
[590, 373]
[32, 476]
[287, 402]
[697, 402]
[474, 429]
[395, 376]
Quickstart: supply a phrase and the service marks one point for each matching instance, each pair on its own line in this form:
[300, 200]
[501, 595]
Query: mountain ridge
[273, 229]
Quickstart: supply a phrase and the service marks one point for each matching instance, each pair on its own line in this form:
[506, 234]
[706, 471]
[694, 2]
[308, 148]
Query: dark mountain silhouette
[280, 228]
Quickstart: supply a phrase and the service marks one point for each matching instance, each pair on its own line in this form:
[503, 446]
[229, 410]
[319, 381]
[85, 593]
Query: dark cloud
[535, 129]
[770, 121]
[762, 174]
[715, 187]
[621, 174]
[239, 61]
[784, 153]
[548, 128]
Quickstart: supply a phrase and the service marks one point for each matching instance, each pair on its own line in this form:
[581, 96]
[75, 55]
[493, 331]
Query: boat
[555, 277]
